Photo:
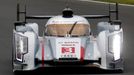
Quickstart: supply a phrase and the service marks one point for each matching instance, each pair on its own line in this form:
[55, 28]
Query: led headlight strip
[115, 44]
[21, 46]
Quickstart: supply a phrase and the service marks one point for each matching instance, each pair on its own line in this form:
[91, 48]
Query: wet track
[54, 7]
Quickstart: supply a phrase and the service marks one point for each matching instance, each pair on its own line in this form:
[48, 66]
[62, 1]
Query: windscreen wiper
[72, 28]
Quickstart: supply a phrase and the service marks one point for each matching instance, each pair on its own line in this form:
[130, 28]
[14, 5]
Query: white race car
[67, 40]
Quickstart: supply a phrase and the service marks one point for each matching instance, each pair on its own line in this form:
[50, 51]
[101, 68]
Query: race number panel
[68, 48]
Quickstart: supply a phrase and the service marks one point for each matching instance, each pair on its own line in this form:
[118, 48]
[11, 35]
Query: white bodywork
[94, 47]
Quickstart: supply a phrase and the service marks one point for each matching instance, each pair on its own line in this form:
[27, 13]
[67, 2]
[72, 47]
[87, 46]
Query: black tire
[19, 73]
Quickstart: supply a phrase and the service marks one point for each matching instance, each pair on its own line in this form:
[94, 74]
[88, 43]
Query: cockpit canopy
[61, 26]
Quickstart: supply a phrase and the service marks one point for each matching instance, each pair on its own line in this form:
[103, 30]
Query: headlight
[115, 44]
[21, 46]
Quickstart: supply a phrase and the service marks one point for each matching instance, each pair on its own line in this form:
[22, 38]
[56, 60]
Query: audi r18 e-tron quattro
[67, 39]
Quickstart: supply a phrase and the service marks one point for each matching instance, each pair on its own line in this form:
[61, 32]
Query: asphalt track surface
[54, 7]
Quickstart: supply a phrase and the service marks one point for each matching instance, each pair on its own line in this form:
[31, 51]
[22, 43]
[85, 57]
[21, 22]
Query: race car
[67, 40]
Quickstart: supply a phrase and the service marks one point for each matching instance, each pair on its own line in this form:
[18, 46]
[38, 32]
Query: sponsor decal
[65, 50]
[68, 48]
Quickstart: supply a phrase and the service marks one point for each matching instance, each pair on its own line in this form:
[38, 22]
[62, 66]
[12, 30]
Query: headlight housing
[21, 46]
[115, 44]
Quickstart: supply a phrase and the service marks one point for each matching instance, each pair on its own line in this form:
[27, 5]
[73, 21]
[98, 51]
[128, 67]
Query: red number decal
[68, 50]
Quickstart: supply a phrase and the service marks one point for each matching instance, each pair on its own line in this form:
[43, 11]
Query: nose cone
[67, 13]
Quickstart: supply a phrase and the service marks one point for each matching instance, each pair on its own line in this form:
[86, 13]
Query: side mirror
[19, 23]
[117, 24]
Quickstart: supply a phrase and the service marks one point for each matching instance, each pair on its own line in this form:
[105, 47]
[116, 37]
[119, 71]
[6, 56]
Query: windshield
[64, 29]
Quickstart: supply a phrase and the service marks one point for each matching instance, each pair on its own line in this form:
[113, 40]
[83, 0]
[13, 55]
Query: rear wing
[108, 16]
[49, 16]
